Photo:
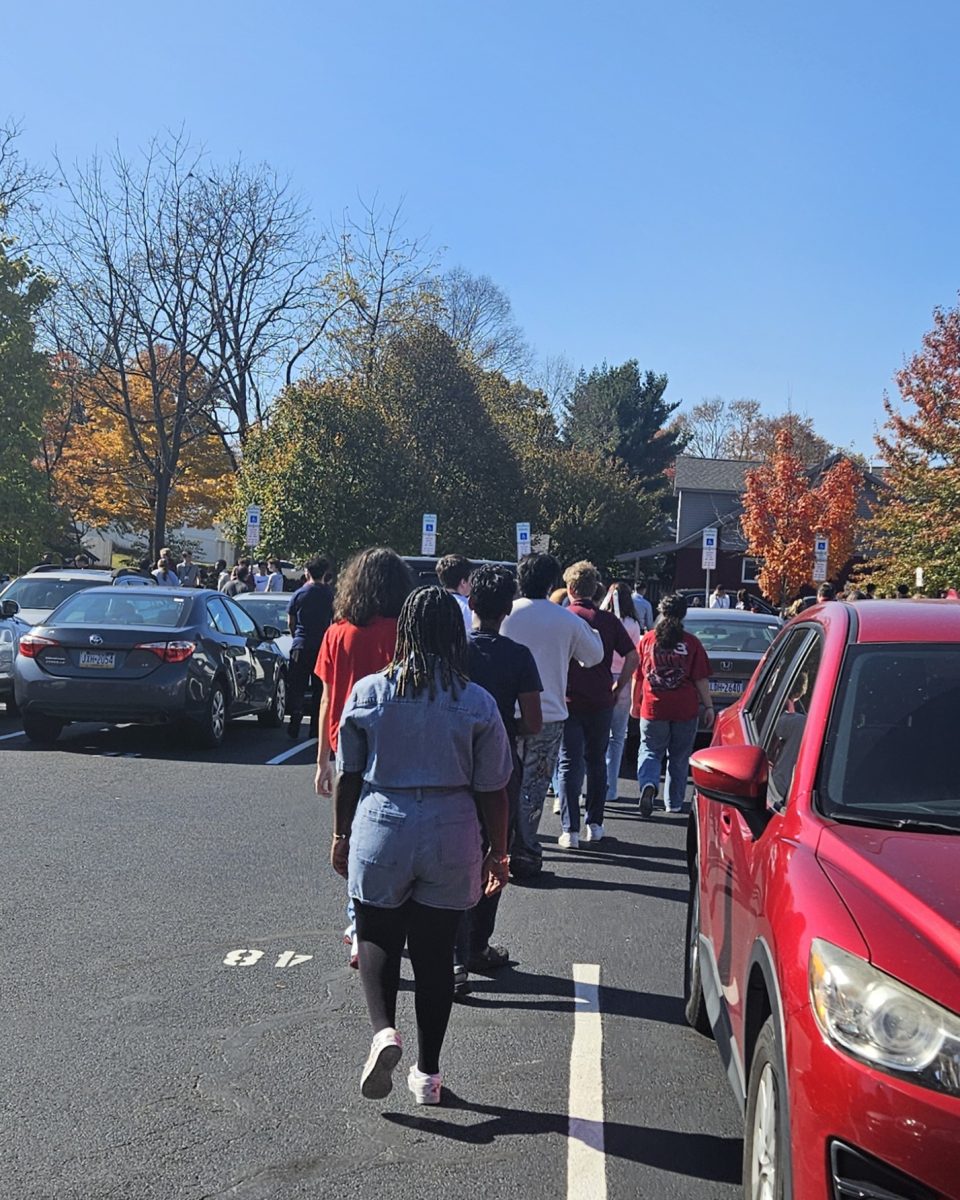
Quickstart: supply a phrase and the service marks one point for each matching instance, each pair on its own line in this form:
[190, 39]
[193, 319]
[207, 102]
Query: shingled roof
[711, 474]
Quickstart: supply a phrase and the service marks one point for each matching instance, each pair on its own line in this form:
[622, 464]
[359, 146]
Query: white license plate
[93, 658]
[726, 687]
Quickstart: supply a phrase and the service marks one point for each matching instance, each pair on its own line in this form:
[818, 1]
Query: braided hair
[669, 626]
[431, 643]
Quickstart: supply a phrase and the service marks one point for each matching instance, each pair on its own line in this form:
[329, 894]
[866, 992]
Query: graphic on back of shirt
[668, 668]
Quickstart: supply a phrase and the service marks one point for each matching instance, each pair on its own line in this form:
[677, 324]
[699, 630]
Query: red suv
[823, 946]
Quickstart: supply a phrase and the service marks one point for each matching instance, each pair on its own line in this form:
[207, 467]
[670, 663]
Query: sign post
[254, 515]
[523, 539]
[821, 551]
[428, 535]
[708, 558]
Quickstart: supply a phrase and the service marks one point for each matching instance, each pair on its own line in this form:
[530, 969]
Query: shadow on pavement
[511, 985]
[697, 1155]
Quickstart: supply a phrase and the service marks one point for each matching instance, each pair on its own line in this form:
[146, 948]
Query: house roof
[711, 474]
[730, 539]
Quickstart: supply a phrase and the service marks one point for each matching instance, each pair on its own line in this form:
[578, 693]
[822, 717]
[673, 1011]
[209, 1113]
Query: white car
[269, 608]
[38, 593]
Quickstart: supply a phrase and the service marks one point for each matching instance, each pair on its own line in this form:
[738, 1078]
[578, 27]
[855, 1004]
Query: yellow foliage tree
[103, 465]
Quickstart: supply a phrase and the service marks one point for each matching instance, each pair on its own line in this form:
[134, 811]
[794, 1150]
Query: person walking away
[619, 601]
[188, 571]
[308, 618]
[274, 576]
[508, 672]
[361, 641]
[223, 575]
[240, 583]
[165, 574]
[591, 699]
[453, 571]
[554, 635]
[422, 761]
[743, 601]
[642, 606]
[671, 683]
[719, 597]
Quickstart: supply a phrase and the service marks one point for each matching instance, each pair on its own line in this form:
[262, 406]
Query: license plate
[726, 687]
[93, 658]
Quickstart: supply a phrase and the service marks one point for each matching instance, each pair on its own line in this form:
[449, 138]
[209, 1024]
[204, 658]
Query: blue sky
[757, 199]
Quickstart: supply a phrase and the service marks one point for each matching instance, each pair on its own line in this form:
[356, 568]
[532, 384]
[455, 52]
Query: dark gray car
[149, 656]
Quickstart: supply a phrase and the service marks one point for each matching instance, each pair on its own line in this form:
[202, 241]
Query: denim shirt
[452, 742]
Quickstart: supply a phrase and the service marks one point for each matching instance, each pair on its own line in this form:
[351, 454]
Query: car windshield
[890, 753]
[732, 636]
[121, 606]
[40, 591]
[266, 611]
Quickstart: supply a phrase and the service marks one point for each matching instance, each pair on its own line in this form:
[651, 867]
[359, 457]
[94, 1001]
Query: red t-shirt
[664, 686]
[348, 653]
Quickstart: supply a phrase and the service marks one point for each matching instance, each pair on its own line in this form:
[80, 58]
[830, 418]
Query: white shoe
[425, 1088]
[386, 1050]
[556, 806]
[593, 833]
[569, 841]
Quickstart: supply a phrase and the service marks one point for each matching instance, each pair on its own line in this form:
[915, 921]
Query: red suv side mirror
[734, 775]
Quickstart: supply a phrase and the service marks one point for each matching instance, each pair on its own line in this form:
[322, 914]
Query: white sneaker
[593, 833]
[569, 841]
[425, 1088]
[556, 806]
[386, 1050]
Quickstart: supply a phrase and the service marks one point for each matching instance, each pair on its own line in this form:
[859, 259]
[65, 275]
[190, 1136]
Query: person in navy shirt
[309, 614]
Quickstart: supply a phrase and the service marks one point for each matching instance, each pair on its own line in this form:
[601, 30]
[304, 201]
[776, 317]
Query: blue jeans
[618, 738]
[675, 740]
[584, 749]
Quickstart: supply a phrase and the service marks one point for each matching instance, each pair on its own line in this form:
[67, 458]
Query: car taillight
[31, 644]
[171, 652]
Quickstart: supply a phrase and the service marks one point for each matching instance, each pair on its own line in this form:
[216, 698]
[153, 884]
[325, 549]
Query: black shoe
[490, 959]
[525, 868]
[648, 793]
[293, 729]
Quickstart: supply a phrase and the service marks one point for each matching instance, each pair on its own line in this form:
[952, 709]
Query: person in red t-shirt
[361, 640]
[670, 685]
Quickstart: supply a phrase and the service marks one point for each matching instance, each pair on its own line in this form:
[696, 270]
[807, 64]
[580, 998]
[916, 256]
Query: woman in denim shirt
[422, 757]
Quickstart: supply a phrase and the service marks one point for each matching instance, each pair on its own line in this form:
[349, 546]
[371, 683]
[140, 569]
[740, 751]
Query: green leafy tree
[25, 394]
[620, 412]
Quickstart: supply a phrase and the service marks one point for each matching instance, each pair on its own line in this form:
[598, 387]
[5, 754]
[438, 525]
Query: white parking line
[300, 746]
[5, 736]
[586, 1161]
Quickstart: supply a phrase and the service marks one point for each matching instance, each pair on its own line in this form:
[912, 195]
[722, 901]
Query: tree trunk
[158, 535]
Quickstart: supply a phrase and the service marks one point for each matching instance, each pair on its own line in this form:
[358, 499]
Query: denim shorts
[420, 844]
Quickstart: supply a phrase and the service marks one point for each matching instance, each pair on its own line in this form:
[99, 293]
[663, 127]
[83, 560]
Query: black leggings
[429, 934]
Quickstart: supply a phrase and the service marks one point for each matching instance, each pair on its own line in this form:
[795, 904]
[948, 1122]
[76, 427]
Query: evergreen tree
[621, 412]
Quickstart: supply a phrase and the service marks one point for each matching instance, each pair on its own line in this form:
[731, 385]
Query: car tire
[39, 728]
[694, 1005]
[766, 1142]
[212, 726]
[272, 718]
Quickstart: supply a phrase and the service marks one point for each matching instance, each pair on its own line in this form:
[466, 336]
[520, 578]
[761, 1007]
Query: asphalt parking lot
[180, 1020]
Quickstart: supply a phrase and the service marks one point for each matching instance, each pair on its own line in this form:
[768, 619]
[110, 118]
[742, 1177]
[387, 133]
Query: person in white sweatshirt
[554, 636]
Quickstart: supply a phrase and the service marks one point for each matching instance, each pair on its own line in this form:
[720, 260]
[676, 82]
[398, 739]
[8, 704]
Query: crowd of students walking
[442, 714]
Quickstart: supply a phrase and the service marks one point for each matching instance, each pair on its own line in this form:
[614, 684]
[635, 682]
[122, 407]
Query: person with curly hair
[370, 593]
[670, 685]
[423, 761]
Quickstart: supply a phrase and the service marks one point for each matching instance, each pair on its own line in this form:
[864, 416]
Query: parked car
[11, 627]
[758, 603]
[157, 656]
[822, 927]
[425, 569]
[39, 592]
[735, 642]
[269, 608]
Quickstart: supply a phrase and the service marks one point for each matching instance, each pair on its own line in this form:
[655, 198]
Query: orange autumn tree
[783, 512]
[103, 464]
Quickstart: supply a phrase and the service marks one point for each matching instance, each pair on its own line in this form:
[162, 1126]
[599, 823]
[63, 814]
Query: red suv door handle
[726, 820]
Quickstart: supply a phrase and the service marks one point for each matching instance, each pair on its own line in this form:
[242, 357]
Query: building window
[750, 570]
